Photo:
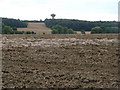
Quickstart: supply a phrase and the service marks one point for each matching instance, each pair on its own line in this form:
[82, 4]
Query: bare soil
[60, 61]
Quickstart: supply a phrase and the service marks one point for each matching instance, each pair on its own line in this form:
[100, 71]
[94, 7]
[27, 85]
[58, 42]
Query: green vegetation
[82, 31]
[57, 29]
[102, 29]
[8, 30]
[0, 26]
[112, 30]
[78, 25]
[43, 32]
[62, 26]
[13, 23]
[10, 26]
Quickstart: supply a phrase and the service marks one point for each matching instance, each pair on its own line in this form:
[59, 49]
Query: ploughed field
[60, 61]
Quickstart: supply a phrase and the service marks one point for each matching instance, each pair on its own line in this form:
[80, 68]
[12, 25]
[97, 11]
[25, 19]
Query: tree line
[8, 30]
[78, 25]
[14, 23]
[102, 29]
[9, 26]
[57, 29]
[62, 26]
[33, 21]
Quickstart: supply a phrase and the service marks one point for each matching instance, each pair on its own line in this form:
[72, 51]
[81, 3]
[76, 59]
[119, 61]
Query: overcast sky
[93, 10]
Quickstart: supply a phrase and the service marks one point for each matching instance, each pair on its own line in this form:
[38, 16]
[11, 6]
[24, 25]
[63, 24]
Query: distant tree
[58, 28]
[70, 31]
[33, 32]
[82, 31]
[28, 32]
[54, 31]
[96, 30]
[65, 30]
[43, 32]
[7, 29]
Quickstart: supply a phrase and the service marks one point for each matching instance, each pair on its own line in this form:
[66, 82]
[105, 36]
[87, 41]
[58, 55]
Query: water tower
[53, 15]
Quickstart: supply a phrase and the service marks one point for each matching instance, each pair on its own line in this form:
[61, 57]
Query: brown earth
[39, 28]
[60, 61]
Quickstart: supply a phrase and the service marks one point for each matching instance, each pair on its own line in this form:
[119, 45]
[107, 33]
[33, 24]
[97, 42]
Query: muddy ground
[60, 61]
